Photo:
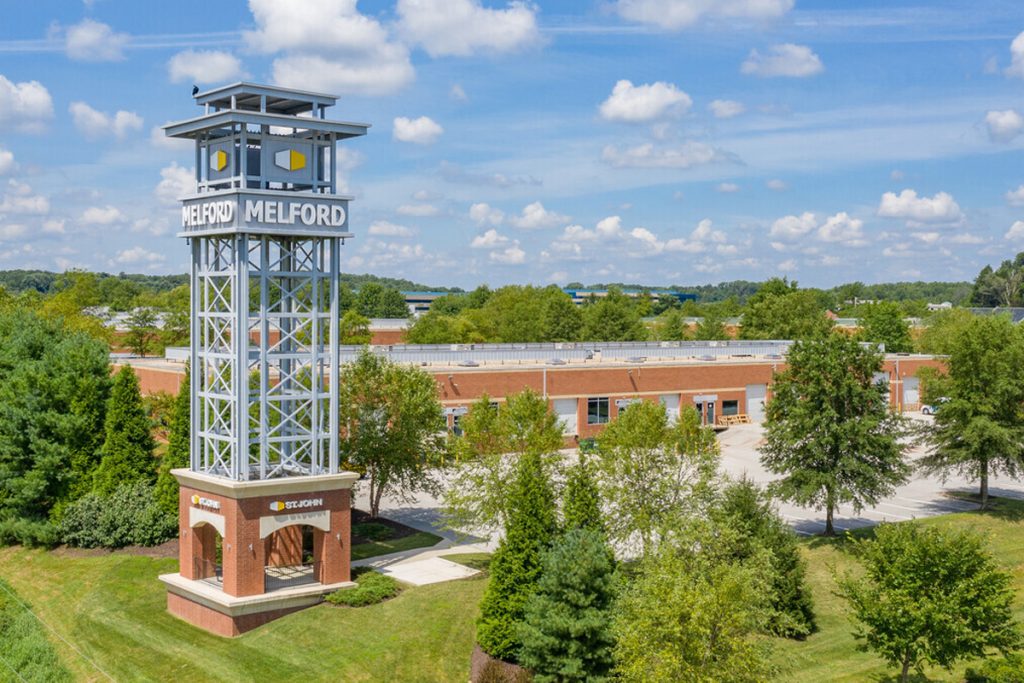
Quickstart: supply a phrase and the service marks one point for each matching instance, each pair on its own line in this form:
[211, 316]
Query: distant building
[944, 306]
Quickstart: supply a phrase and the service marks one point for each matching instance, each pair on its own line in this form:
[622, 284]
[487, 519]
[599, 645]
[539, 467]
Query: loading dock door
[911, 393]
[671, 403]
[565, 409]
[756, 395]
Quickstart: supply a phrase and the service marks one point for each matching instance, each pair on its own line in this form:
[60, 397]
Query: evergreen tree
[581, 500]
[829, 432]
[566, 630]
[747, 510]
[127, 452]
[177, 454]
[516, 565]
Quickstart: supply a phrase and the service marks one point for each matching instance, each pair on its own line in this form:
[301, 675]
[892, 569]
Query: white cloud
[54, 226]
[1016, 231]
[510, 256]
[419, 210]
[204, 66]
[157, 138]
[489, 240]
[536, 216]
[727, 188]
[792, 227]
[941, 208]
[102, 215]
[463, 27]
[776, 184]
[6, 161]
[421, 131]
[138, 256]
[788, 265]
[20, 200]
[457, 93]
[646, 155]
[930, 237]
[677, 14]
[95, 124]
[967, 238]
[644, 103]
[175, 182]
[328, 45]
[1004, 126]
[24, 106]
[482, 213]
[10, 231]
[93, 41]
[842, 228]
[726, 109]
[785, 60]
[1016, 68]
[1016, 197]
[388, 229]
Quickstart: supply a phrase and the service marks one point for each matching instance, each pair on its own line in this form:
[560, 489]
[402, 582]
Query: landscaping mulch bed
[168, 549]
[398, 530]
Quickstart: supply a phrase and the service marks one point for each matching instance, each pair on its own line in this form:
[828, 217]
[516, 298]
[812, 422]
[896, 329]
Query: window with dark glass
[597, 411]
[730, 407]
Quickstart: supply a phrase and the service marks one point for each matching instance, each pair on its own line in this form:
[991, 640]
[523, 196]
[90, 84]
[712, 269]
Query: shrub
[27, 532]
[130, 516]
[373, 531]
[1008, 669]
[372, 587]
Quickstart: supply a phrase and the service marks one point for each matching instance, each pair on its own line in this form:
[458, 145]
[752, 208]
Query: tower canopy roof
[249, 96]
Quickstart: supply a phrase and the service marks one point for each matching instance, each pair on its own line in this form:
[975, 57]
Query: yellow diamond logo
[219, 160]
[290, 160]
[277, 506]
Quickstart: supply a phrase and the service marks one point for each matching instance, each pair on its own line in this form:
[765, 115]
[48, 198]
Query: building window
[456, 425]
[597, 411]
[730, 408]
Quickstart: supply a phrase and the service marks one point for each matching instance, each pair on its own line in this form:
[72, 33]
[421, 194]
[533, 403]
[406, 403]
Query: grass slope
[113, 608]
[420, 539]
[831, 653]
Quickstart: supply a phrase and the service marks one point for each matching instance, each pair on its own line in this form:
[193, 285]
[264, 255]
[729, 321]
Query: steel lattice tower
[266, 228]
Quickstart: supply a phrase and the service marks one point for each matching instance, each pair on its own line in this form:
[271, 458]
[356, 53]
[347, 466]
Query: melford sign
[241, 209]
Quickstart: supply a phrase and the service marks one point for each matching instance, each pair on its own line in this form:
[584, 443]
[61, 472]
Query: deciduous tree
[979, 432]
[391, 425]
[141, 330]
[883, 323]
[829, 431]
[929, 596]
[781, 310]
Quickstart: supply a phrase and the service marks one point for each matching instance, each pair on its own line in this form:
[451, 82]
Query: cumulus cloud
[7, 164]
[418, 210]
[93, 41]
[792, 227]
[95, 124]
[643, 103]
[388, 229]
[482, 213]
[639, 241]
[509, 256]
[1016, 68]
[726, 109]
[175, 182]
[24, 106]
[204, 66]
[941, 208]
[648, 155]
[421, 131]
[102, 215]
[1004, 126]
[328, 46]
[785, 60]
[138, 256]
[1013, 197]
[677, 14]
[1016, 231]
[19, 199]
[489, 240]
[727, 188]
[842, 228]
[776, 185]
[535, 216]
[463, 27]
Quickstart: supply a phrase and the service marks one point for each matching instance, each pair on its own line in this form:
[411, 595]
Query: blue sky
[654, 141]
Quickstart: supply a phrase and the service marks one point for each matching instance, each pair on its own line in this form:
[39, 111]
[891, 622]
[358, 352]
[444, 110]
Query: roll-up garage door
[565, 409]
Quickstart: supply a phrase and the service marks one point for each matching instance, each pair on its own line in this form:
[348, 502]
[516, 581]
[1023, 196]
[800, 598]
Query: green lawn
[421, 539]
[831, 655]
[112, 608]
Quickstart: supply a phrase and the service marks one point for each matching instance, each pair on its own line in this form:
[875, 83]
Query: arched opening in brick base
[293, 556]
[207, 553]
